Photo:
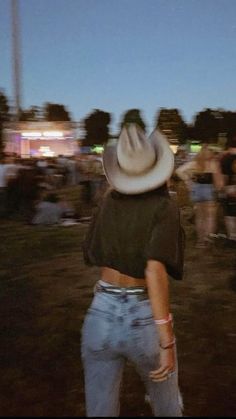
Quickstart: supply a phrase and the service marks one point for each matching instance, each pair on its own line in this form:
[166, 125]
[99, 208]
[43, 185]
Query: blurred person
[72, 171]
[202, 177]
[78, 170]
[28, 182]
[62, 162]
[12, 193]
[48, 210]
[3, 185]
[177, 187]
[181, 156]
[137, 240]
[97, 180]
[85, 179]
[42, 164]
[50, 172]
[228, 167]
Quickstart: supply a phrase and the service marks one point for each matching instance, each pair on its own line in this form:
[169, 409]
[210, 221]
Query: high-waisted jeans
[119, 328]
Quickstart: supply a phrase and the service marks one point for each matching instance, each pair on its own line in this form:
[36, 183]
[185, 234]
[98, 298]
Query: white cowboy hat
[136, 164]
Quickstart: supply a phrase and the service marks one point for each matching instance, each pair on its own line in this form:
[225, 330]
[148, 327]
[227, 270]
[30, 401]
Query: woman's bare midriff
[114, 277]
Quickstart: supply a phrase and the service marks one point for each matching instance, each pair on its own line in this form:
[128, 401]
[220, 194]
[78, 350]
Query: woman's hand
[158, 290]
[167, 365]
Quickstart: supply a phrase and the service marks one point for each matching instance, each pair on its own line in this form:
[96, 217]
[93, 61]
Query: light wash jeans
[119, 328]
[201, 192]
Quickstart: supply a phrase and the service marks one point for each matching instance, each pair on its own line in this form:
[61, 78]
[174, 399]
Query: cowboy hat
[136, 164]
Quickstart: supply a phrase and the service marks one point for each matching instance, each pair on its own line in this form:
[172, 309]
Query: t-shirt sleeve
[167, 240]
[88, 241]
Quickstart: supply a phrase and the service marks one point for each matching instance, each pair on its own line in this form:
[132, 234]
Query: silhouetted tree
[34, 113]
[190, 132]
[228, 122]
[172, 124]
[4, 116]
[207, 125]
[96, 127]
[55, 112]
[133, 116]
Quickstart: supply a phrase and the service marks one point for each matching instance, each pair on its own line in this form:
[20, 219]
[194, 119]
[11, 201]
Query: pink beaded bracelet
[165, 320]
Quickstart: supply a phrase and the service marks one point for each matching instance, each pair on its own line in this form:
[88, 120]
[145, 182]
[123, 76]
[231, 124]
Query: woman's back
[130, 229]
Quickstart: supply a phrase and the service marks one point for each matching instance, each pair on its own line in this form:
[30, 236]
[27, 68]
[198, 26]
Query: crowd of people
[29, 187]
[210, 179]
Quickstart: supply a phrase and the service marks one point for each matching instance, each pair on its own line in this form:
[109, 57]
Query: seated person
[48, 211]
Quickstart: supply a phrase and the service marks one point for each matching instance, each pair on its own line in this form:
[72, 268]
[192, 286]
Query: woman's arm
[185, 170]
[158, 291]
[218, 177]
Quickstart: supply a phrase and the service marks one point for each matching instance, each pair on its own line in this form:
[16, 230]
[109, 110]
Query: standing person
[203, 178]
[137, 240]
[3, 186]
[228, 167]
[11, 175]
[181, 156]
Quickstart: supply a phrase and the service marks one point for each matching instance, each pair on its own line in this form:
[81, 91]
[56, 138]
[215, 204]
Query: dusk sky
[115, 55]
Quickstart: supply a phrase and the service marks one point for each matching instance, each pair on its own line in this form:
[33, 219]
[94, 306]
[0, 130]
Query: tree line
[207, 126]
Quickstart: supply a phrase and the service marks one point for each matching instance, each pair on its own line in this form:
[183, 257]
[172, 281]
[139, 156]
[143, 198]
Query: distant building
[40, 139]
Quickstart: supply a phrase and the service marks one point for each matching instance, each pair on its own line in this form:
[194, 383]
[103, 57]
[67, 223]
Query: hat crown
[135, 154]
[135, 164]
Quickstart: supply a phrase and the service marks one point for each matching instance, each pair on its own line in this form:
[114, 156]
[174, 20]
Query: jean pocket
[143, 315]
[143, 321]
[96, 331]
[146, 340]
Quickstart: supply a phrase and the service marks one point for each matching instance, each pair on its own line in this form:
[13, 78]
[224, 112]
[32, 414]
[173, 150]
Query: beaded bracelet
[165, 320]
[169, 345]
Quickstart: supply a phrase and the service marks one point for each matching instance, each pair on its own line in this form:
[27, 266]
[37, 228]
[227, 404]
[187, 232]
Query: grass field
[45, 290]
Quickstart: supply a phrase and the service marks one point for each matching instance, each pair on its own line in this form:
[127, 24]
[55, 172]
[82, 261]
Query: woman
[228, 170]
[137, 240]
[203, 178]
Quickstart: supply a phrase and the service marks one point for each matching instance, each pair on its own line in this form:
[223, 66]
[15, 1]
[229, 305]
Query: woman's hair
[160, 190]
[204, 155]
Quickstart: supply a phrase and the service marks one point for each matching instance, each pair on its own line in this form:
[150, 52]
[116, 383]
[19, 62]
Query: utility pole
[16, 58]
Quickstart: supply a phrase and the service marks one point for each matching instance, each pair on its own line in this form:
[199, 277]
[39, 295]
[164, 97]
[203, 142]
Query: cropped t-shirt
[128, 230]
[202, 178]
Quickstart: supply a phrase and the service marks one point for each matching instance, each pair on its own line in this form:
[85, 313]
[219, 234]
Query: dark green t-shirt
[129, 230]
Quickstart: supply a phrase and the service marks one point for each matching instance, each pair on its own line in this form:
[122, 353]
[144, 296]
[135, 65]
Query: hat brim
[135, 184]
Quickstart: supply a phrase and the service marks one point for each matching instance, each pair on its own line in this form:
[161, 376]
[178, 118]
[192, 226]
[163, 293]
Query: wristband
[165, 320]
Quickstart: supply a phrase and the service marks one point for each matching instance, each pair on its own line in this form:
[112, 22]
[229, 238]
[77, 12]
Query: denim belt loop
[123, 292]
